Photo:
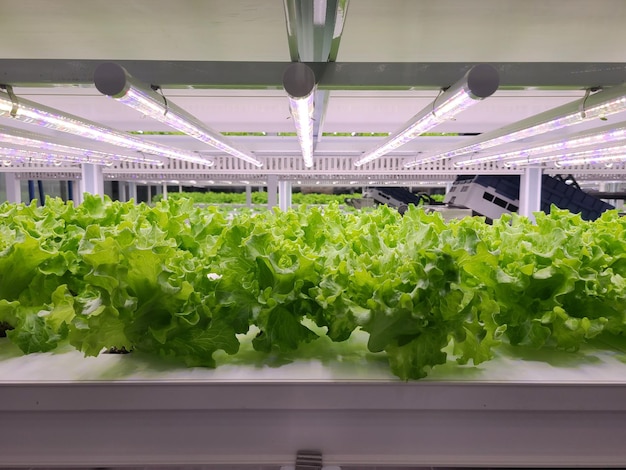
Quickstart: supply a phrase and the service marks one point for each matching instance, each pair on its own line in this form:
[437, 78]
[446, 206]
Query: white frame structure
[509, 412]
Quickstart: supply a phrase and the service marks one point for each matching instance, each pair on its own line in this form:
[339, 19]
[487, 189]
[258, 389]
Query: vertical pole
[165, 191]
[272, 190]
[14, 190]
[132, 191]
[284, 195]
[42, 195]
[249, 196]
[31, 191]
[530, 192]
[93, 181]
[77, 193]
[123, 193]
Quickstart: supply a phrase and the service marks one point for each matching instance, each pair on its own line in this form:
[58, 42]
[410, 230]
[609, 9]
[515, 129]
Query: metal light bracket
[14, 102]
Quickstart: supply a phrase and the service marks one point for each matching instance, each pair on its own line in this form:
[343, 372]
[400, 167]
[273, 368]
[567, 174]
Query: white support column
[132, 191]
[610, 188]
[92, 181]
[530, 192]
[165, 191]
[123, 193]
[616, 202]
[249, 196]
[77, 192]
[284, 195]
[13, 186]
[272, 190]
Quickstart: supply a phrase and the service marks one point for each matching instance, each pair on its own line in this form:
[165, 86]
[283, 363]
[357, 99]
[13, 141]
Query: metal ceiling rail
[330, 75]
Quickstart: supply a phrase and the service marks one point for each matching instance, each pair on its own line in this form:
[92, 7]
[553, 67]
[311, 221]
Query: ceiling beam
[330, 75]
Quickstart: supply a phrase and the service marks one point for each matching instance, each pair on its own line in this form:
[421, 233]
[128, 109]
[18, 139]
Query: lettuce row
[181, 282]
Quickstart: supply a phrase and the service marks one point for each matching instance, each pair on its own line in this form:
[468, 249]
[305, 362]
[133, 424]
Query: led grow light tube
[614, 158]
[299, 83]
[603, 135]
[44, 116]
[10, 135]
[563, 157]
[478, 83]
[52, 158]
[114, 81]
[600, 104]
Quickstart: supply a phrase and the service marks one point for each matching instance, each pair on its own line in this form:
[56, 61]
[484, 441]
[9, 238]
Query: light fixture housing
[17, 138]
[33, 113]
[598, 105]
[114, 81]
[299, 83]
[480, 82]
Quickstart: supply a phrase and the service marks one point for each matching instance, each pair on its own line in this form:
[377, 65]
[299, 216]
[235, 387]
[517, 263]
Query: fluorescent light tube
[478, 83]
[114, 81]
[603, 135]
[319, 12]
[12, 136]
[600, 104]
[299, 83]
[44, 116]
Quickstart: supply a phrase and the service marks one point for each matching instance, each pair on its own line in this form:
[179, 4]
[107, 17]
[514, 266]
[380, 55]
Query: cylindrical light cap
[111, 79]
[298, 80]
[482, 80]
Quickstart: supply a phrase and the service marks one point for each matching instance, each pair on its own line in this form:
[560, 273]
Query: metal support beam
[13, 188]
[330, 75]
[92, 181]
[530, 192]
[284, 195]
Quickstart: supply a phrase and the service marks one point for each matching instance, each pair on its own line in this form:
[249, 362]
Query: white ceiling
[375, 30]
[385, 31]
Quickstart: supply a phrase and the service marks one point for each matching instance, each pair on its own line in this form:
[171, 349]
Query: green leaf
[282, 331]
[101, 329]
[413, 360]
[31, 334]
[195, 346]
